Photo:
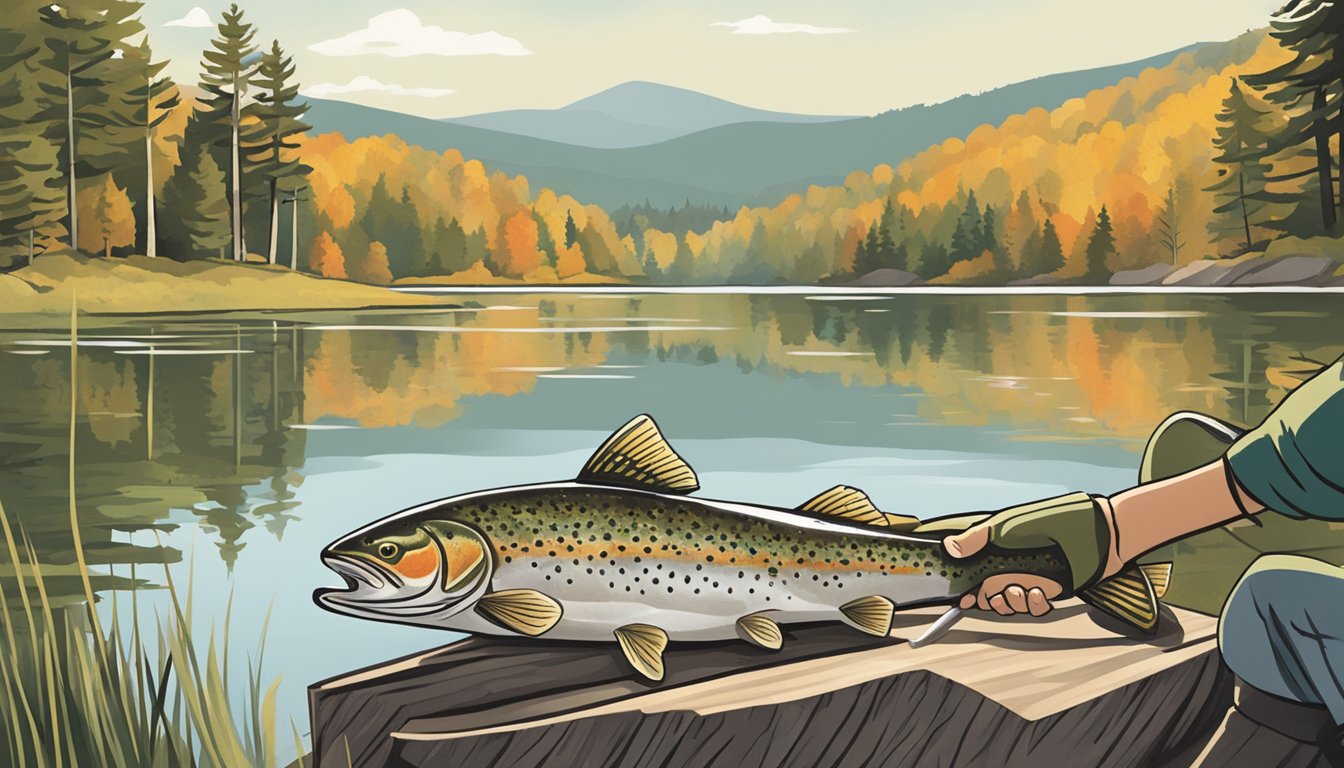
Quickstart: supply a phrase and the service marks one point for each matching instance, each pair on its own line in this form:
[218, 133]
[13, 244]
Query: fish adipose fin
[871, 614]
[1128, 596]
[852, 504]
[637, 456]
[759, 629]
[643, 645]
[525, 611]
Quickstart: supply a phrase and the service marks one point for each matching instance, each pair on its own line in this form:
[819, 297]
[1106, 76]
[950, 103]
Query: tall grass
[72, 696]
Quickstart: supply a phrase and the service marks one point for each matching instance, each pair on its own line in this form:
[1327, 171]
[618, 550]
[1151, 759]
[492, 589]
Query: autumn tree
[1100, 248]
[279, 124]
[325, 257]
[1310, 88]
[373, 268]
[228, 67]
[1240, 194]
[516, 252]
[108, 215]
[569, 262]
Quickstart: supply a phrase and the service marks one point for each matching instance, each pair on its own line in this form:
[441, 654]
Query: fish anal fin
[761, 630]
[643, 646]
[638, 456]
[525, 611]
[849, 503]
[871, 614]
[1159, 575]
[1128, 596]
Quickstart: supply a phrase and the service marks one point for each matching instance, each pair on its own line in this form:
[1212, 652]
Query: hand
[1006, 593]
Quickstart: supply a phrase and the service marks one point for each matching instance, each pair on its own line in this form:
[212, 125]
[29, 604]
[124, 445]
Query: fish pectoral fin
[871, 614]
[1128, 596]
[525, 611]
[637, 456]
[1159, 575]
[759, 629]
[643, 645]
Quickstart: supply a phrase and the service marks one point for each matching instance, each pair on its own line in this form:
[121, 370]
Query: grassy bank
[139, 285]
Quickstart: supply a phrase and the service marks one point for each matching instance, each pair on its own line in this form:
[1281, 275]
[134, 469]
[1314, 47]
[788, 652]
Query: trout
[623, 553]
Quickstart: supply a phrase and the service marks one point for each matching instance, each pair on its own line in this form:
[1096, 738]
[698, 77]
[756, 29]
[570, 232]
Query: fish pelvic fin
[761, 630]
[870, 614]
[638, 456]
[849, 503]
[525, 611]
[643, 646]
[1159, 575]
[1128, 596]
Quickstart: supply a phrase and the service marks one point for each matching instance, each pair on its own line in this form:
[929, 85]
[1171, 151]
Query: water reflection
[207, 423]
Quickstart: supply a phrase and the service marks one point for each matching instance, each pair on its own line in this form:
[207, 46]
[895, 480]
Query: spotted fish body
[624, 553]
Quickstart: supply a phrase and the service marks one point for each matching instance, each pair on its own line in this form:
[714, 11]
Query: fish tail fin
[1129, 596]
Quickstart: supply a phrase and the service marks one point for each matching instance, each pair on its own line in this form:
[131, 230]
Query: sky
[450, 58]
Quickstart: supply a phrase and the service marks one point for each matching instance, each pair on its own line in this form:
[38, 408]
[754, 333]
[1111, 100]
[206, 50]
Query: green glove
[1073, 523]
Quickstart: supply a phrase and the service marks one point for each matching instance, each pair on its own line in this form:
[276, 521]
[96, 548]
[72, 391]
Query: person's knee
[1277, 593]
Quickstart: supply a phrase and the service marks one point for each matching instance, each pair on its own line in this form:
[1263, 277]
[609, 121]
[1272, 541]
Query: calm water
[242, 445]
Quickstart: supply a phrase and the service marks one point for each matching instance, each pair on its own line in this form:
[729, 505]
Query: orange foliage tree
[516, 253]
[111, 222]
[325, 257]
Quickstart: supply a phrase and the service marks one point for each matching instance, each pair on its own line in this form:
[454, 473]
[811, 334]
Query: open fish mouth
[358, 578]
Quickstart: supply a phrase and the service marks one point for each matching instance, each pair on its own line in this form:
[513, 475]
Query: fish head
[411, 571]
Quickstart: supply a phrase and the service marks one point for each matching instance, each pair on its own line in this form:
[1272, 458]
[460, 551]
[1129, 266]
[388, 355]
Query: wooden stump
[1059, 692]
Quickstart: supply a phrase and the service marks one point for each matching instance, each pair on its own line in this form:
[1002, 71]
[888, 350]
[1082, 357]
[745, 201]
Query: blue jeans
[1282, 630]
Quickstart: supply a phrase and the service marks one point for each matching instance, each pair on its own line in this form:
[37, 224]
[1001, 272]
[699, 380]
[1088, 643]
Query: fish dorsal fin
[637, 456]
[851, 504]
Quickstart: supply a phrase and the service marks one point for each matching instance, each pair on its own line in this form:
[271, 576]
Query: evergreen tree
[280, 122]
[81, 37]
[31, 196]
[1169, 225]
[152, 99]
[1100, 247]
[478, 246]
[228, 67]
[969, 235]
[450, 247]
[1310, 87]
[545, 243]
[1240, 194]
[1052, 250]
[571, 231]
[197, 210]
[934, 261]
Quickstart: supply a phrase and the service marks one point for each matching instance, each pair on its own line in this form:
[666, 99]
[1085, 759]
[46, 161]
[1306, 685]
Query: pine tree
[1052, 250]
[81, 37]
[152, 99]
[545, 243]
[1240, 194]
[31, 196]
[228, 67]
[280, 118]
[450, 247]
[197, 211]
[571, 231]
[1100, 247]
[1311, 89]
[969, 235]
[1169, 225]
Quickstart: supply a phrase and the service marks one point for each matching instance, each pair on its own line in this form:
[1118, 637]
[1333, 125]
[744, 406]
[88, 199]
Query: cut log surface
[1061, 691]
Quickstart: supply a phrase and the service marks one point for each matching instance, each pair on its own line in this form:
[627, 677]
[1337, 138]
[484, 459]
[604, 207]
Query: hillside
[630, 115]
[732, 164]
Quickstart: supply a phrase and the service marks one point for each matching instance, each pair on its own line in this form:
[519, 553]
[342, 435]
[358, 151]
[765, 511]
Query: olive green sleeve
[1293, 463]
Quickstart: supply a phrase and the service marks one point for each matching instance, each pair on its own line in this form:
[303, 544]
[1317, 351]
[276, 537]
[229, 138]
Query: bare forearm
[1148, 516]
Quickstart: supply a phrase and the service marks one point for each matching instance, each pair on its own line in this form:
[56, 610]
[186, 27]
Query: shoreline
[876, 292]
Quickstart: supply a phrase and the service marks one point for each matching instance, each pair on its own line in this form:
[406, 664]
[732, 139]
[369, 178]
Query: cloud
[196, 18]
[364, 84]
[762, 25]
[400, 33]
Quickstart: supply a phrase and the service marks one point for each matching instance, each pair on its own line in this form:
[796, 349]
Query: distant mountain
[630, 115]
[734, 164]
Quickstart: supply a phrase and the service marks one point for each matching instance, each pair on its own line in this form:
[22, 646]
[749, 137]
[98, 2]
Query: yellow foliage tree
[516, 252]
[325, 257]
[373, 268]
[107, 210]
[569, 261]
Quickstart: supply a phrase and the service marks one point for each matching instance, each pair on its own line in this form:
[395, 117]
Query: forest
[1229, 148]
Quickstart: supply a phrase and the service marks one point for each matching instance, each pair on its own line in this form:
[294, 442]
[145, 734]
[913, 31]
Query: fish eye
[387, 550]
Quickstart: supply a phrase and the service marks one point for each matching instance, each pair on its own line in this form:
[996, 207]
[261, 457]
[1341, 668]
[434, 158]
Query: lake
[235, 447]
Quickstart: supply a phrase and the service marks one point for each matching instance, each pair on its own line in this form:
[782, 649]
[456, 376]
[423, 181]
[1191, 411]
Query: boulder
[1290, 270]
[1153, 274]
[887, 278]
